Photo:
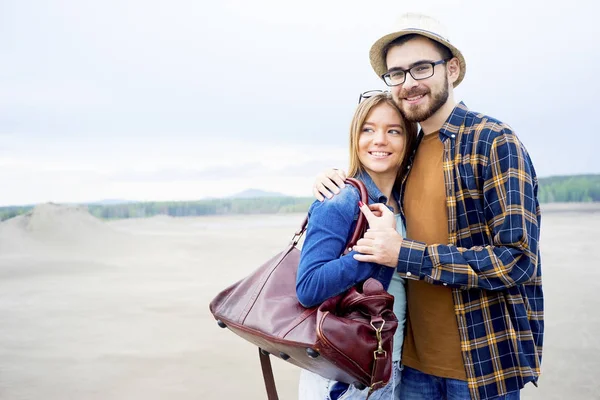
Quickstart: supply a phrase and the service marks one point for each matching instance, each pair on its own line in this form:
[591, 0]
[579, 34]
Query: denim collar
[375, 194]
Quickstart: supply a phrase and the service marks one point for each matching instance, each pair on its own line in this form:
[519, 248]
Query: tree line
[265, 205]
[557, 189]
[566, 189]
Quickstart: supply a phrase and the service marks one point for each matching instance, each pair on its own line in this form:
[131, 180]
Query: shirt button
[453, 136]
[408, 167]
[408, 274]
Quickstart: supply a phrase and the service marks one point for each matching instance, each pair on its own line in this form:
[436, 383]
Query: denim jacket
[322, 273]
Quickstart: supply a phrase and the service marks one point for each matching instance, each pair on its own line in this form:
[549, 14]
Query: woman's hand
[378, 215]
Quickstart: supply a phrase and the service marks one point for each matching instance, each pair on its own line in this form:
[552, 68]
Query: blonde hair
[409, 130]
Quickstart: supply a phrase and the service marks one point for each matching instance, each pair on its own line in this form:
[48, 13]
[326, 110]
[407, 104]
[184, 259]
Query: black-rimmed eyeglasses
[420, 71]
[370, 93]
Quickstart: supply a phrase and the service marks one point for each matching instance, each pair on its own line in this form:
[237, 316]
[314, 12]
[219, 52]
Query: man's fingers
[364, 242]
[331, 185]
[369, 235]
[365, 258]
[338, 177]
[318, 195]
[339, 172]
[323, 190]
[328, 183]
[363, 249]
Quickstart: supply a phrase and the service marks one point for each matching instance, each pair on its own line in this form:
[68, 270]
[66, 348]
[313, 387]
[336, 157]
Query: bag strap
[361, 224]
[267, 370]
[359, 231]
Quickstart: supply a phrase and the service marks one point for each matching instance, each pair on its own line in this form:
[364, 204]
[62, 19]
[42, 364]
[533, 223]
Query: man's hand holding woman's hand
[381, 242]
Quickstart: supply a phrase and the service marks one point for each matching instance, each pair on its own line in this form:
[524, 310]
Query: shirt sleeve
[322, 273]
[512, 215]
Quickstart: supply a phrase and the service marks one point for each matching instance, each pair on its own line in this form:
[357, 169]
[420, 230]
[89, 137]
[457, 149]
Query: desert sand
[91, 309]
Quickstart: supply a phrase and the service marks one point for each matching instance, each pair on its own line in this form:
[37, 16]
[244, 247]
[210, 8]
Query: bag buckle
[377, 385]
[380, 351]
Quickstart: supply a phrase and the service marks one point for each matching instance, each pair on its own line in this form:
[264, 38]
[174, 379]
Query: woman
[379, 142]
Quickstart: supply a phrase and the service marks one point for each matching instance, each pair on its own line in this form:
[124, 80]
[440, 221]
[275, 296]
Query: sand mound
[55, 218]
[58, 221]
[54, 225]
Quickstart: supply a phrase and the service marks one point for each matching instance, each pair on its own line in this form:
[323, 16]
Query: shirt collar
[454, 121]
[375, 194]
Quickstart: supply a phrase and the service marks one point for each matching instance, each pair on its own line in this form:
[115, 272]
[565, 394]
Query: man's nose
[409, 81]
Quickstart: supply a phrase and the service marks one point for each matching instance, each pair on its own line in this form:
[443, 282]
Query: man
[470, 256]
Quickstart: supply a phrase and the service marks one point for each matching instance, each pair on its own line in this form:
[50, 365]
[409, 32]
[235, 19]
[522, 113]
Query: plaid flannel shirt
[492, 259]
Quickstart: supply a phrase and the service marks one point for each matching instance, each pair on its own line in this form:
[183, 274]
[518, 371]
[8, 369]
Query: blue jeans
[419, 386]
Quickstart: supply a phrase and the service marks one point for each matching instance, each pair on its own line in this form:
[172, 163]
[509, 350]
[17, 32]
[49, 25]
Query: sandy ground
[119, 310]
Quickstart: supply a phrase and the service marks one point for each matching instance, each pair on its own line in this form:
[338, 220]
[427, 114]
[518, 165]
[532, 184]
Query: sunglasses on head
[370, 93]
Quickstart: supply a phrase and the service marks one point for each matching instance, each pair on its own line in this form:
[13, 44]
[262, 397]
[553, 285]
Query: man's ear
[453, 68]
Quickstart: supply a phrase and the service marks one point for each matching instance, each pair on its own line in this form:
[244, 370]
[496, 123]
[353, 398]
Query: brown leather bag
[347, 338]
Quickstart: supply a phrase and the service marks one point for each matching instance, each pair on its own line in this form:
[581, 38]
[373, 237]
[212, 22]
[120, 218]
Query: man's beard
[419, 113]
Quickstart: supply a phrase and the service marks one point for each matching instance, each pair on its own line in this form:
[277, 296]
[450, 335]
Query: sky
[183, 100]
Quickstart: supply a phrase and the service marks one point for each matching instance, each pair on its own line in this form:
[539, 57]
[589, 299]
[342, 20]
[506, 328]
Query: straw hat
[419, 24]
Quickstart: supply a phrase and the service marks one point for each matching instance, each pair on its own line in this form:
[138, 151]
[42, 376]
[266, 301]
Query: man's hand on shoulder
[328, 183]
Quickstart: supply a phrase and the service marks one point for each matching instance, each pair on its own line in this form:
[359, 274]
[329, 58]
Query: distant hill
[255, 193]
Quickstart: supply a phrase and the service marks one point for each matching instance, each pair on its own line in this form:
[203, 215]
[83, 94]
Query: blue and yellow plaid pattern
[492, 258]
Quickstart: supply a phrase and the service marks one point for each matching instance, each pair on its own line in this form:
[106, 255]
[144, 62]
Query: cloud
[114, 95]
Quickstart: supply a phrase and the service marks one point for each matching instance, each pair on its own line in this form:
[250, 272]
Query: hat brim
[377, 56]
